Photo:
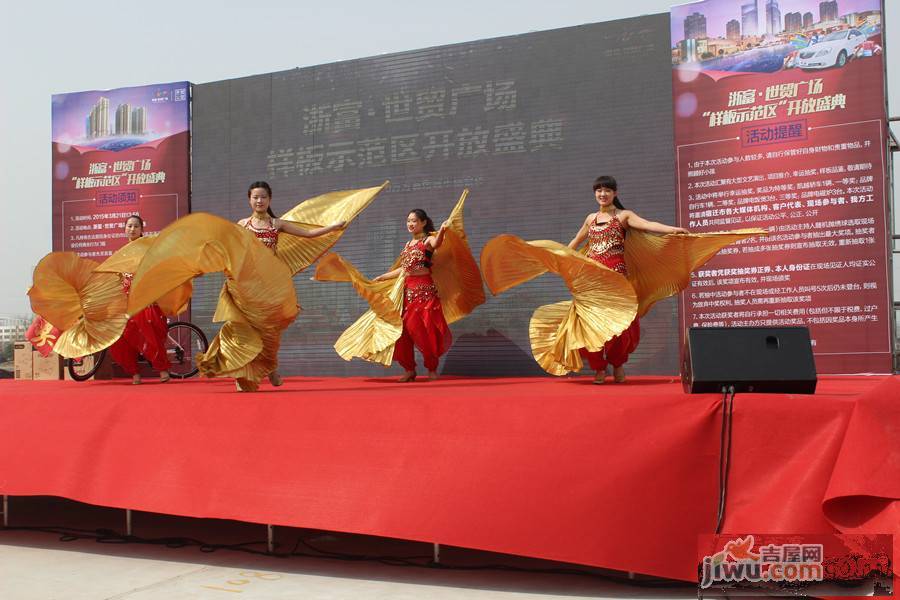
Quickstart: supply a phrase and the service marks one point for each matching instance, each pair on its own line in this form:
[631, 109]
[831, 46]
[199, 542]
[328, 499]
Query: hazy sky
[56, 47]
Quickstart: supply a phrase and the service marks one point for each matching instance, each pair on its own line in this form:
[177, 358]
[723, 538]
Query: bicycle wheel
[82, 369]
[184, 341]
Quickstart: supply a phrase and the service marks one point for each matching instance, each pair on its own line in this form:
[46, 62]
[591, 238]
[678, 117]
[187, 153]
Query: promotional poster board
[117, 153]
[779, 110]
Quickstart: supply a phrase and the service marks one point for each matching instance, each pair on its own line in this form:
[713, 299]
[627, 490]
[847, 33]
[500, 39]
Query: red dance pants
[145, 334]
[424, 326]
[615, 352]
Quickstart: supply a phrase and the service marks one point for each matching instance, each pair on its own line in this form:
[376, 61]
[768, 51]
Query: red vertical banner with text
[779, 110]
[117, 153]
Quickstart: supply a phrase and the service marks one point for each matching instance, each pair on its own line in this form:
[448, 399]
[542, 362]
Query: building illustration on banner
[765, 36]
[128, 120]
[121, 118]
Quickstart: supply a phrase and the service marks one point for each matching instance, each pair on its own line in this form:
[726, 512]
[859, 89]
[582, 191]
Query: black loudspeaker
[752, 359]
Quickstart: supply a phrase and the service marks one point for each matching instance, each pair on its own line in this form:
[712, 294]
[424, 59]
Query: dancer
[413, 302]
[88, 301]
[258, 301]
[613, 285]
[605, 231]
[147, 331]
[266, 226]
[424, 325]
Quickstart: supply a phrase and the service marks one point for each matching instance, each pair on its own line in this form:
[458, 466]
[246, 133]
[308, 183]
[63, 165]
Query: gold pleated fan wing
[660, 266]
[127, 259]
[88, 307]
[345, 205]
[455, 271]
[372, 336]
[201, 243]
[603, 305]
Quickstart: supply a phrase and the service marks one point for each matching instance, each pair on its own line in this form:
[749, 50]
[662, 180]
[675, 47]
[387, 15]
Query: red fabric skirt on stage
[145, 334]
[424, 326]
[616, 351]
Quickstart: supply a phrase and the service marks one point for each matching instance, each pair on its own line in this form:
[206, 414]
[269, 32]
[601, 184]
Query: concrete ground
[40, 565]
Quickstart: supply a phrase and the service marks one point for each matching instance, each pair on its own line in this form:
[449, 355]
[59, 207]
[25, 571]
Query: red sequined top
[416, 256]
[606, 244]
[268, 235]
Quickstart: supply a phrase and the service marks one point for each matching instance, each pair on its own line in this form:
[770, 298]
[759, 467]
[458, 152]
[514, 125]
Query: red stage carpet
[621, 476]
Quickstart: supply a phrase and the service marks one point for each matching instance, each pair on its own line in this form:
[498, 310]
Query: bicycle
[183, 341]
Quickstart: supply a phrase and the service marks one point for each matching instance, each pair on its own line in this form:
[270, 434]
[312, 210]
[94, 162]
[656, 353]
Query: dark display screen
[525, 122]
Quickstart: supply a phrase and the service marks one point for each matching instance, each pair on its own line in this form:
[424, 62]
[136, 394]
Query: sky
[56, 47]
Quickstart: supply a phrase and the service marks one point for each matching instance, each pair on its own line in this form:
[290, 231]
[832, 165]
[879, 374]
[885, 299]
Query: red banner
[780, 123]
[117, 153]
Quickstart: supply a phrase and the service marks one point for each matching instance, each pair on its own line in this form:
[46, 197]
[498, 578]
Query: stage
[616, 476]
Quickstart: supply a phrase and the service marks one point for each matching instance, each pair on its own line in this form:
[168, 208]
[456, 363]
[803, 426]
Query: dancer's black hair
[427, 229]
[423, 216]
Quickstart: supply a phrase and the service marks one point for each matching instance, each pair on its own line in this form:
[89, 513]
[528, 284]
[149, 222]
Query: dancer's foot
[600, 377]
[136, 379]
[432, 375]
[619, 374]
[275, 379]
[245, 385]
[164, 376]
[407, 377]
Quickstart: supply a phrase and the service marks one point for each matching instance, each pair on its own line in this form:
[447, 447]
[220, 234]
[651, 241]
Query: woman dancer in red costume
[424, 326]
[146, 332]
[605, 231]
[266, 226]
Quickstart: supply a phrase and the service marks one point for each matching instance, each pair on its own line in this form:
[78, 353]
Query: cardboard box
[46, 367]
[22, 352]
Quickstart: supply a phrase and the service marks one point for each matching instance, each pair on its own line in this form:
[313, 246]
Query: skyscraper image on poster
[779, 112]
[116, 153]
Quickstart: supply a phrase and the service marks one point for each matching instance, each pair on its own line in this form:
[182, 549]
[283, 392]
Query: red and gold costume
[613, 285]
[411, 311]
[424, 326]
[606, 245]
[145, 334]
[267, 235]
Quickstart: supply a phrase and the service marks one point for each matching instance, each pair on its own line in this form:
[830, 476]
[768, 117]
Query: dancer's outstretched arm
[631, 219]
[389, 275]
[294, 229]
[436, 240]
